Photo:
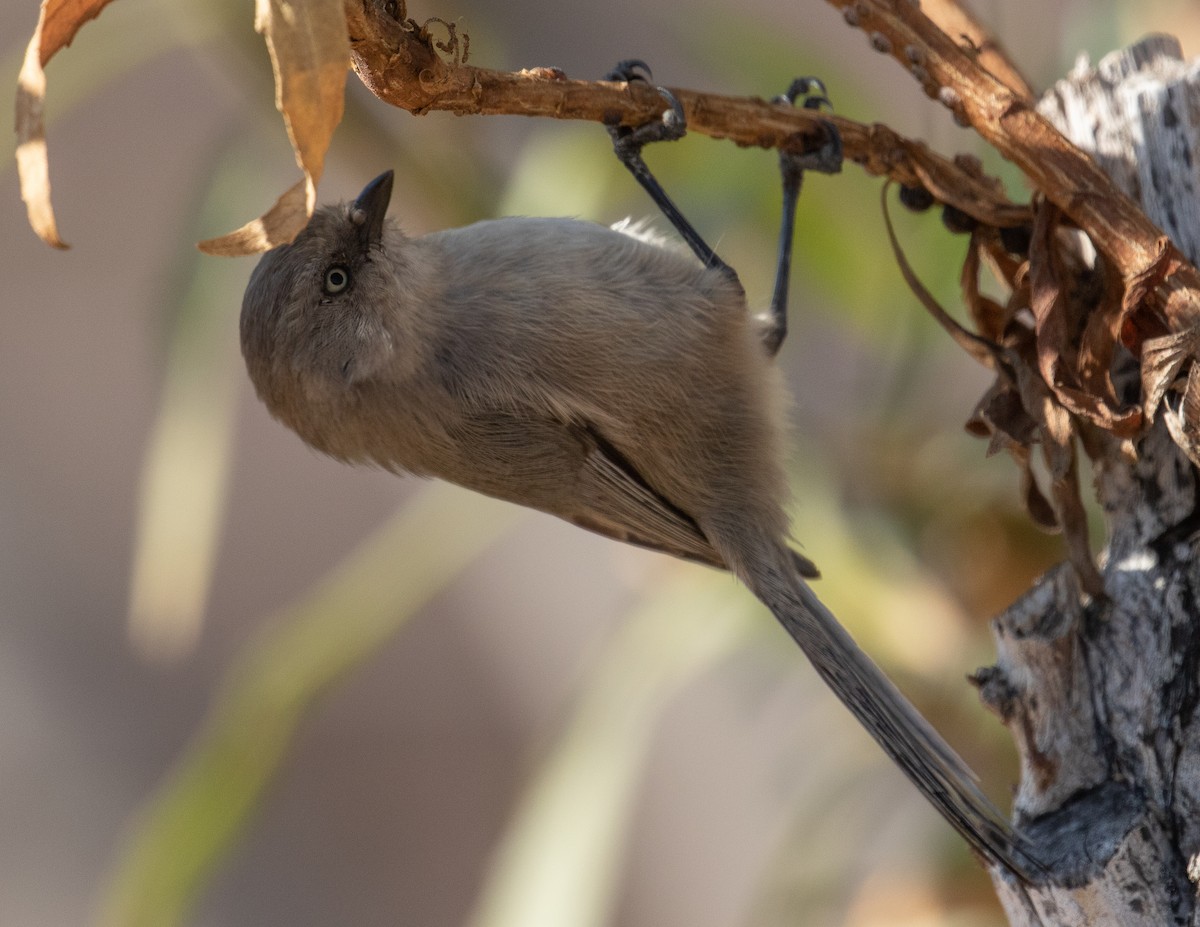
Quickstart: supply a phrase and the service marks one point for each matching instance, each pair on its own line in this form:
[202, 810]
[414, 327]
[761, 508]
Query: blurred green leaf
[561, 858]
[186, 467]
[189, 827]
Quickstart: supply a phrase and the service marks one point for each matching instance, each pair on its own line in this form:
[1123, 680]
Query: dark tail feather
[932, 765]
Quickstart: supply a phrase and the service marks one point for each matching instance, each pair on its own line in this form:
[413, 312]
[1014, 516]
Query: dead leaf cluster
[1101, 294]
[1053, 345]
[310, 56]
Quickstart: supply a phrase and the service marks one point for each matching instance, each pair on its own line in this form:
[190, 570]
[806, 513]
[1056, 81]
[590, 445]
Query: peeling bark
[1100, 695]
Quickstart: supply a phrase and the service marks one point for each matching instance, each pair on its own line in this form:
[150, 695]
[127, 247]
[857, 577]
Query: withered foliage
[58, 21]
[1053, 345]
[310, 56]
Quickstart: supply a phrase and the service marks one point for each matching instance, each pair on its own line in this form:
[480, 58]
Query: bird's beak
[371, 207]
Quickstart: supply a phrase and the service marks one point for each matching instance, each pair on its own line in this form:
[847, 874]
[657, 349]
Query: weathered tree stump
[1100, 695]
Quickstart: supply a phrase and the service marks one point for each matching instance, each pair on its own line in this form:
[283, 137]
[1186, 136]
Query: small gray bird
[598, 374]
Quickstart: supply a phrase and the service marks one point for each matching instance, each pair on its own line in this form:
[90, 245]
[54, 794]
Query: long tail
[932, 765]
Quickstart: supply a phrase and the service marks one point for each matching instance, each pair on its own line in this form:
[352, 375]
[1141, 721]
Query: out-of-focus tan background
[559, 730]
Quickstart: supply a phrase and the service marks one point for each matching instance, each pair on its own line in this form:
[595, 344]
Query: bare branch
[1060, 171]
[396, 59]
[1161, 308]
[958, 23]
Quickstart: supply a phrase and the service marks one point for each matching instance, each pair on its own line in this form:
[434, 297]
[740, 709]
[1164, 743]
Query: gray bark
[1100, 696]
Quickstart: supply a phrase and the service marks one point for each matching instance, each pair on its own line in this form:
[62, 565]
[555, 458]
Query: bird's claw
[670, 127]
[828, 158]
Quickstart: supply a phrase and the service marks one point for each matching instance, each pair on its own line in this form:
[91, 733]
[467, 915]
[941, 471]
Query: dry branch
[1162, 289]
[397, 59]
[405, 64]
[958, 23]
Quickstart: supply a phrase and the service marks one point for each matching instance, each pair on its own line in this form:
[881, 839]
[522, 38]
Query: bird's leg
[828, 160]
[628, 142]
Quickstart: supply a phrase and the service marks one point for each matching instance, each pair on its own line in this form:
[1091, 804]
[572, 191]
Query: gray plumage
[592, 373]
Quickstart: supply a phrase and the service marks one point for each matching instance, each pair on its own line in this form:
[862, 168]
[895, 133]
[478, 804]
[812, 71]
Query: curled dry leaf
[990, 318]
[290, 212]
[1057, 438]
[58, 21]
[979, 348]
[1162, 360]
[1181, 421]
[310, 56]
[1019, 410]
[1000, 417]
[1076, 331]
[1164, 354]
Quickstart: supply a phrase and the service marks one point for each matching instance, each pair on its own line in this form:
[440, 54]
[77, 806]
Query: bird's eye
[337, 279]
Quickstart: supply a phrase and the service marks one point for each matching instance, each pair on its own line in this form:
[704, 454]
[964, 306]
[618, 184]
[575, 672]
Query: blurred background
[241, 684]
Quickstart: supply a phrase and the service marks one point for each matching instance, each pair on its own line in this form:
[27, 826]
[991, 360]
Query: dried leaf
[310, 57]
[279, 225]
[989, 316]
[1046, 300]
[1062, 347]
[32, 163]
[1018, 410]
[1139, 321]
[1041, 512]
[1007, 267]
[1162, 359]
[1163, 355]
[61, 19]
[1125, 422]
[1101, 336]
[1058, 450]
[1049, 402]
[58, 21]
[1001, 415]
[1182, 423]
[980, 349]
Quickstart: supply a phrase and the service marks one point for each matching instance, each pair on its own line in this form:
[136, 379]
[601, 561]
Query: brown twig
[1008, 121]
[1162, 287]
[396, 60]
[958, 23]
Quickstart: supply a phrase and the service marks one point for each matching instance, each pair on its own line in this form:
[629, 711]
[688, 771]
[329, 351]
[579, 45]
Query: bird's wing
[643, 515]
[619, 502]
[564, 463]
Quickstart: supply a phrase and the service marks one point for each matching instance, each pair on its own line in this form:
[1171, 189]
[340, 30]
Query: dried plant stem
[958, 23]
[1143, 257]
[398, 62]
